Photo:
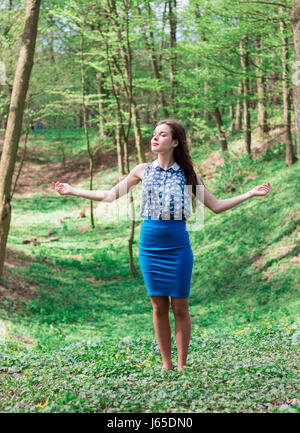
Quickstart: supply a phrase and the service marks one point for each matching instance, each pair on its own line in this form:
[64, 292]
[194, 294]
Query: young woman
[165, 253]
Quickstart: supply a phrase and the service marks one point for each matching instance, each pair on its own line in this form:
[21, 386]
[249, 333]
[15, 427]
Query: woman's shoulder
[141, 168]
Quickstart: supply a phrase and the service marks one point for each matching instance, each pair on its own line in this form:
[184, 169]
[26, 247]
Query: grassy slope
[246, 276]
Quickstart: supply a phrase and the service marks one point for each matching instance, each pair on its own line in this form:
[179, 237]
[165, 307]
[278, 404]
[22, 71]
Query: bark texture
[15, 118]
[295, 20]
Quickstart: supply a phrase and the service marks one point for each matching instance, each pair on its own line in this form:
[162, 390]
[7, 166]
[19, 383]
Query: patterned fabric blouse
[164, 193]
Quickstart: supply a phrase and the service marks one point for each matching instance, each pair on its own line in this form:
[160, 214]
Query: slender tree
[15, 117]
[246, 108]
[123, 61]
[290, 157]
[295, 20]
[238, 110]
[261, 91]
[219, 123]
[172, 52]
[155, 56]
[121, 24]
[99, 79]
[85, 123]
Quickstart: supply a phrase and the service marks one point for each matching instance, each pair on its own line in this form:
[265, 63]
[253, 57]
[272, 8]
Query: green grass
[251, 370]
[56, 144]
[60, 346]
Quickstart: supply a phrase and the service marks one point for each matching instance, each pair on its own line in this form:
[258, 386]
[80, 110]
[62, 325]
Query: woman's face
[162, 140]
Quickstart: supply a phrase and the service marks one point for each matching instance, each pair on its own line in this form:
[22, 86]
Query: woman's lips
[154, 144]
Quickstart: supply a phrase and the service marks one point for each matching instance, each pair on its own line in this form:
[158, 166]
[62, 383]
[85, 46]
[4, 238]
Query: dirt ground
[13, 289]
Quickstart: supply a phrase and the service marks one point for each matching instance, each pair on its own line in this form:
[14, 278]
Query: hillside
[68, 294]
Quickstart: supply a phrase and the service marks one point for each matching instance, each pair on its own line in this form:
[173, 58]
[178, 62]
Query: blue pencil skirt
[166, 257]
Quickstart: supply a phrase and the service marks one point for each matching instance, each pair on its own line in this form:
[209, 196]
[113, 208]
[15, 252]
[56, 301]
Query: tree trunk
[100, 105]
[238, 111]
[137, 132]
[120, 150]
[85, 125]
[247, 119]
[261, 90]
[290, 157]
[219, 123]
[5, 94]
[120, 134]
[133, 269]
[125, 50]
[205, 112]
[172, 47]
[295, 20]
[15, 118]
[231, 115]
[150, 44]
[3, 123]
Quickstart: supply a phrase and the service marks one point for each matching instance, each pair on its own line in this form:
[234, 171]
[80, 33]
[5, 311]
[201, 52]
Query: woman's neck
[165, 161]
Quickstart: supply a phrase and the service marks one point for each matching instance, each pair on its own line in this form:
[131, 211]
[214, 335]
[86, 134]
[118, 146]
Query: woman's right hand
[63, 188]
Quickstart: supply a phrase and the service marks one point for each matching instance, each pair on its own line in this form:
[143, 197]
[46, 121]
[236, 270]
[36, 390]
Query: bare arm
[117, 191]
[218, 206]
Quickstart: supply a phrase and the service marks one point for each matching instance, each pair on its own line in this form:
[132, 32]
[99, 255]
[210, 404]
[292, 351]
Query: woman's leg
[162, 328]
[180, 307]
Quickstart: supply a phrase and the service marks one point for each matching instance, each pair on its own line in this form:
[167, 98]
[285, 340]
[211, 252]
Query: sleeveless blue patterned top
[164, 193]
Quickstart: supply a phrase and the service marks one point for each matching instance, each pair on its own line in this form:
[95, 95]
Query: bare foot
[167, 367]
[182, 367]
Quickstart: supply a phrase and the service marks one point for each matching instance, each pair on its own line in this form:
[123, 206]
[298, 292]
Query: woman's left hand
[260, 189]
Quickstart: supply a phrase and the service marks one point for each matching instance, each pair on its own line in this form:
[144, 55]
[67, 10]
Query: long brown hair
[182, 155]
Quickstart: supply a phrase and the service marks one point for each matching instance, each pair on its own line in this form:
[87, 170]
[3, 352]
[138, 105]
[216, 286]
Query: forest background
[74, 303]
